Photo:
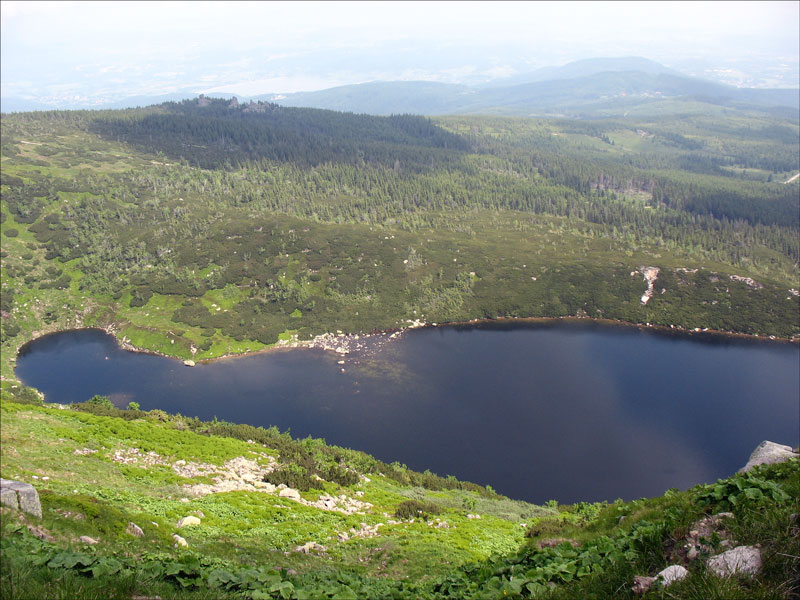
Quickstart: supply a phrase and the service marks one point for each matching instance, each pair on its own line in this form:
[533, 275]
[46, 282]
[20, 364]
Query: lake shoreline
[341, 343]
[416, 397]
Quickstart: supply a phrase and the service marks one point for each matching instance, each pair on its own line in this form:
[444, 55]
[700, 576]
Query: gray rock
[20, 496]
[290, 493]
[741, 560]
[179, 541]
[309, 547]
[87, 540]
[642, 584]
[704, 530]
[8, 497]
[672, 574]
[768, 453]
[41, 533]
[190, 520]
[134, 530]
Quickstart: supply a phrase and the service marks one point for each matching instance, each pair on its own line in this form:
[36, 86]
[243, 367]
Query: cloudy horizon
[92, 53]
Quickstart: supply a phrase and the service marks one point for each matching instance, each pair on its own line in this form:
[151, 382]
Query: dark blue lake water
[573, 411]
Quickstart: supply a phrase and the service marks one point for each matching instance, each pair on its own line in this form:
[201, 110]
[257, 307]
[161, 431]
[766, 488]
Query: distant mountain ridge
[578, 89]
[584, 67]
[385, 98]
[585, 88]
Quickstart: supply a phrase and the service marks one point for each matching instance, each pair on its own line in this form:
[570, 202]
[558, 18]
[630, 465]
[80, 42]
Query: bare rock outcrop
[768, 453]
[309, 547]
[642, 584]
[188, 521]
[650, 275]
[742, 560]
[671, 574]
[290, 493]
[697, 541]
[20, 496]
[134, 530]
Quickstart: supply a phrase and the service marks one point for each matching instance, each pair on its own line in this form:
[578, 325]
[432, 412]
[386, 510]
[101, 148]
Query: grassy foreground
[377, 530]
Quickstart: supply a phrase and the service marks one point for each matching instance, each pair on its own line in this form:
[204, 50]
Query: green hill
[586, 67]
[117, 487]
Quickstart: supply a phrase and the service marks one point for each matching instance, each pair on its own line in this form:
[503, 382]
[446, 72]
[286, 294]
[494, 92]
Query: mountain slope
[211, 131]
[299, 222]
[585, 68]
[146, 504]
[577, 91]
[384, 98]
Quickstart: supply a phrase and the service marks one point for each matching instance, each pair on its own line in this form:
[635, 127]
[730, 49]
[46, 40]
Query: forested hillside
[206, 227]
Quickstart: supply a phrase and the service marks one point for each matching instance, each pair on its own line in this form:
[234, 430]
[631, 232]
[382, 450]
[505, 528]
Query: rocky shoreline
[343, 343]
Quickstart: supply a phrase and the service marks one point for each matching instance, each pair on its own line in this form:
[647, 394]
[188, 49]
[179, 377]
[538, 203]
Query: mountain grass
[427, 544]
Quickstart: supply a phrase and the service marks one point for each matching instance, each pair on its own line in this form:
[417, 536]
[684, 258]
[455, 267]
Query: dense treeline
[221, 134]
[692, 178]
[217, 134]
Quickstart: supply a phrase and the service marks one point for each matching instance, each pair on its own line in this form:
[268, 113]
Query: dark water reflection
[567, 411]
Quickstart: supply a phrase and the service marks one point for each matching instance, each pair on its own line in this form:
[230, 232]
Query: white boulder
[740, 560]
[190, 520]
[768, 453]
[290, 493]
[671, 574]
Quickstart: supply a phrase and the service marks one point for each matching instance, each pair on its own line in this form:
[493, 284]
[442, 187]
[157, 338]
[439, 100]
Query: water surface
[567, 411]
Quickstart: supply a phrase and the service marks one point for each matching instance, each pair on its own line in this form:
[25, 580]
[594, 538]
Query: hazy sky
[114, 49]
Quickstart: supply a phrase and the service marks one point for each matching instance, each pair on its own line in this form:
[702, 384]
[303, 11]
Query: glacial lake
[565, 411]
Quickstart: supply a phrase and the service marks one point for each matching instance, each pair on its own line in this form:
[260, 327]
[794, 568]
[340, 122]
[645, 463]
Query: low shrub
[545, 527]
[293, 476]
[101, 401]
[414, 509]
[23, 395]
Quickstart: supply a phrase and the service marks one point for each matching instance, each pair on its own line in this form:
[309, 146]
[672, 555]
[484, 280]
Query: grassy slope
[241, 527]
[94, 494]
